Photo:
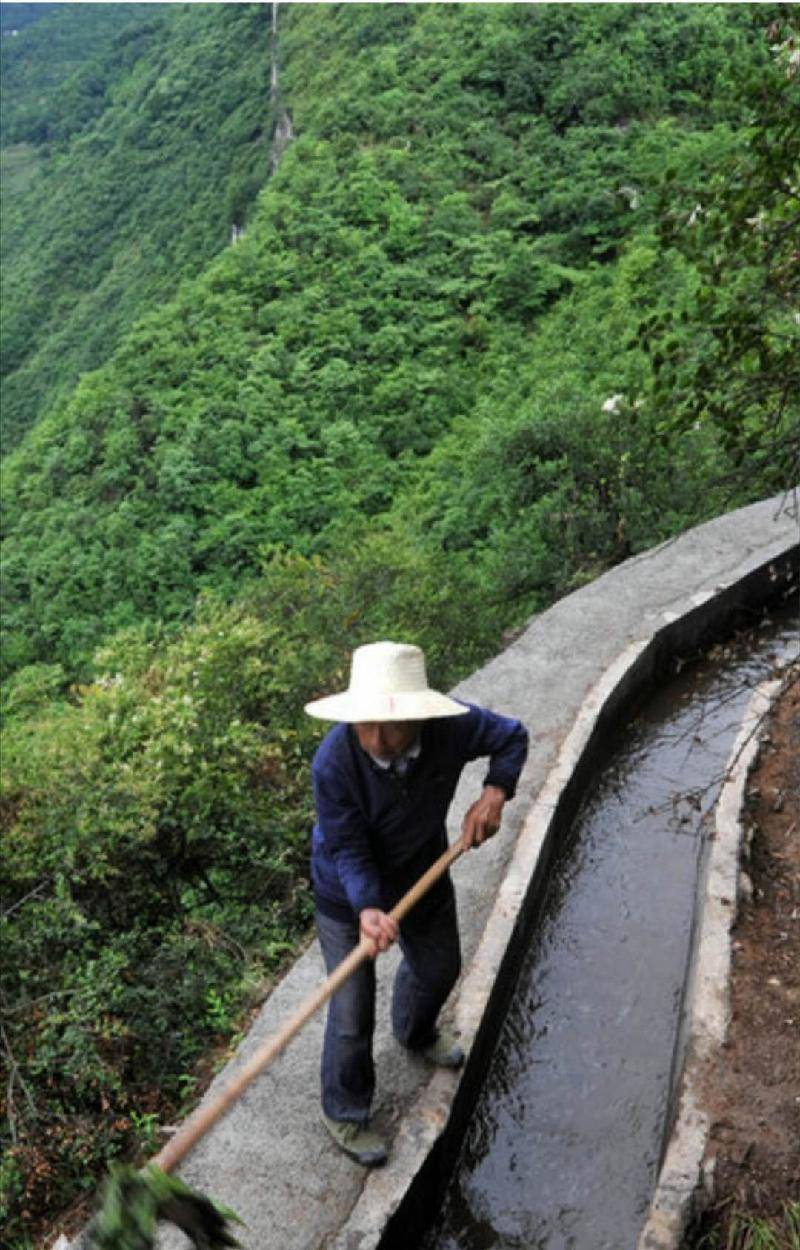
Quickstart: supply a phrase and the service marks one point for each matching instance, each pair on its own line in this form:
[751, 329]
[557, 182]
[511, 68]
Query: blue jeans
[427, 973]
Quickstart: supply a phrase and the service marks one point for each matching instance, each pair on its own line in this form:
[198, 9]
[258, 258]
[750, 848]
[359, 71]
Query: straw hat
[387, 682]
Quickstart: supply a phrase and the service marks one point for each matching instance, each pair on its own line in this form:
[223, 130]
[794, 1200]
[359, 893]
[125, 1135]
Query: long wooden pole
[204, 1117]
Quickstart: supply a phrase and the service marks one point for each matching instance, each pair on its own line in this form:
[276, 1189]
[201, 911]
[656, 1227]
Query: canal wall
[395, 1208]
[685, 1181]
[570, 675]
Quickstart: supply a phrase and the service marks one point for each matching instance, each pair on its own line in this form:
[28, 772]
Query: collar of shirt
[400, 763]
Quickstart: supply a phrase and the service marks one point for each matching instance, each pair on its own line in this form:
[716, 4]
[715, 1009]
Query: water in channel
[562, 1148]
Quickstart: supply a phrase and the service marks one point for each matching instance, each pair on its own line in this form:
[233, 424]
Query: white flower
[612, 404]
[757, 222]
[631, 195]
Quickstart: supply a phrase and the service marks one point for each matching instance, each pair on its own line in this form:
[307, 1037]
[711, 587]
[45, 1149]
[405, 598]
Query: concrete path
[269, 1158]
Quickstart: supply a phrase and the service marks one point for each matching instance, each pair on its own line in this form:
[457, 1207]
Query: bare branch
[31, 894]
[14, 1075]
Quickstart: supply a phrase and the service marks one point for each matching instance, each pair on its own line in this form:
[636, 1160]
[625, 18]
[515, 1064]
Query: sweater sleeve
[502, 738]
[346, 838]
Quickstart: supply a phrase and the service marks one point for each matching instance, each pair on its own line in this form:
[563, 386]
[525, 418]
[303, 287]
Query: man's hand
[483, 819]
[378, 927]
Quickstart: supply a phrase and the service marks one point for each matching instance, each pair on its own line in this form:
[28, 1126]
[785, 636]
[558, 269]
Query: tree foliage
[731, 356]
[428, 211]
[149, 130]
[413, 402]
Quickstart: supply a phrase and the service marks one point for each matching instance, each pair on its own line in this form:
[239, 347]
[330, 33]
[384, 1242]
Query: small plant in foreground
[748, 1232]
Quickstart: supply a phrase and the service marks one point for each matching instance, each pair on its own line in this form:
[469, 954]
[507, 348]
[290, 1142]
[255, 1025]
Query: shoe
[445, 1052]
[357, 1141]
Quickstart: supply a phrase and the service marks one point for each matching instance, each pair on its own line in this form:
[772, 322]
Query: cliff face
[283, 132]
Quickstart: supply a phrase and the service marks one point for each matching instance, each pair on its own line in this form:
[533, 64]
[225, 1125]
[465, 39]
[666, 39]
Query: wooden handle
[429, 878]
[204, 1117]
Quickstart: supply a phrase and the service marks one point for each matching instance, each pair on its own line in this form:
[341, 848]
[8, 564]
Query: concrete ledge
[569, 676]
[390, 1212]
[679, 1190]
[422, 1127]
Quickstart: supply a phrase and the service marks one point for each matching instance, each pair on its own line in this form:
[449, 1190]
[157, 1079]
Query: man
[383, 780]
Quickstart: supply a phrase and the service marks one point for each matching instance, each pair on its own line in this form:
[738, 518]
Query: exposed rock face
[281, 138]
[283, 132]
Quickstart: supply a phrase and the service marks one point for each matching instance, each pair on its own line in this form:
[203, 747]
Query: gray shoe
[445, 1052]
[357, 1141]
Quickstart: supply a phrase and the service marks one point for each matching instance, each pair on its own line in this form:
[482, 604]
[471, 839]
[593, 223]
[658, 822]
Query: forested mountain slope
[15, 17]
[456, 171]
[519, 300]
[51, 83]
[134, 137]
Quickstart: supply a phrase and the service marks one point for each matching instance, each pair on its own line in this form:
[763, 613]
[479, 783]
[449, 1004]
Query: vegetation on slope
[15, 17]
[390, 267]
[143, 132]
[52, 81]
[415, 401]
[738, 224]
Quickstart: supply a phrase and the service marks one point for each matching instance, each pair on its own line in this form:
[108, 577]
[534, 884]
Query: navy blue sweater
[376, 833]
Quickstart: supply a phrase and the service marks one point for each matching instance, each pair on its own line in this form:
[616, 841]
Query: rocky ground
[755, 1098]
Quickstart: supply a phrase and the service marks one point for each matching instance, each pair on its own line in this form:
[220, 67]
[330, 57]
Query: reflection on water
[562, 1148]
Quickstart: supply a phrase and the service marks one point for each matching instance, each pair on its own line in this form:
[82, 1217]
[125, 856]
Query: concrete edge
[420, 1131]
[532, 843]
[424, 1121]
[683, 1179]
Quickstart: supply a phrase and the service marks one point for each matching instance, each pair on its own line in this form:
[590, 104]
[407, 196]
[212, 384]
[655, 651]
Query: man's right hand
[379, 928]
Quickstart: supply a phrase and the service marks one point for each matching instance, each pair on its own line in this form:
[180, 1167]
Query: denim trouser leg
[348, 1073]
[429, 970]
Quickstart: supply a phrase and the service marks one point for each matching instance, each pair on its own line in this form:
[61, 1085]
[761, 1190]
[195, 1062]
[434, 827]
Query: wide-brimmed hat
[388, 682]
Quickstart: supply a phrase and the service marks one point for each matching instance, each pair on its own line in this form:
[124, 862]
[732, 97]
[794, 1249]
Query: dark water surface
[564, 1143]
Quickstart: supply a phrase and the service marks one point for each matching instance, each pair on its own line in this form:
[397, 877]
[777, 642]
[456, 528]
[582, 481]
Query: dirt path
[755, 1098]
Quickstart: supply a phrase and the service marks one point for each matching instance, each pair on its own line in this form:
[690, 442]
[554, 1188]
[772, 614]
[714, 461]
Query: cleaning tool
[132, 1202]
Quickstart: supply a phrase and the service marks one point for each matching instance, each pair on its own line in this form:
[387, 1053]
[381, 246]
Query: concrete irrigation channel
[563, 1143]
[573, 676]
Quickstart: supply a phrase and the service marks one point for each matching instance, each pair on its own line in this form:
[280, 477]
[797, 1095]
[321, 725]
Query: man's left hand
[483, 819]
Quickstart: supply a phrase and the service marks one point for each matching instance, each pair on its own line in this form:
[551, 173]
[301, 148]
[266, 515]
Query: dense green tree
[730, 357]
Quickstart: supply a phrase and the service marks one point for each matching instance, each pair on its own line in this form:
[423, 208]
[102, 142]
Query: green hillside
[15, 17]
[517, 302]
[142, 132]
[393, 276]
[49, 83]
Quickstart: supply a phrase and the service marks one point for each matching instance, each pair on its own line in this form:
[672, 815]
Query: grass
[740, 1231]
